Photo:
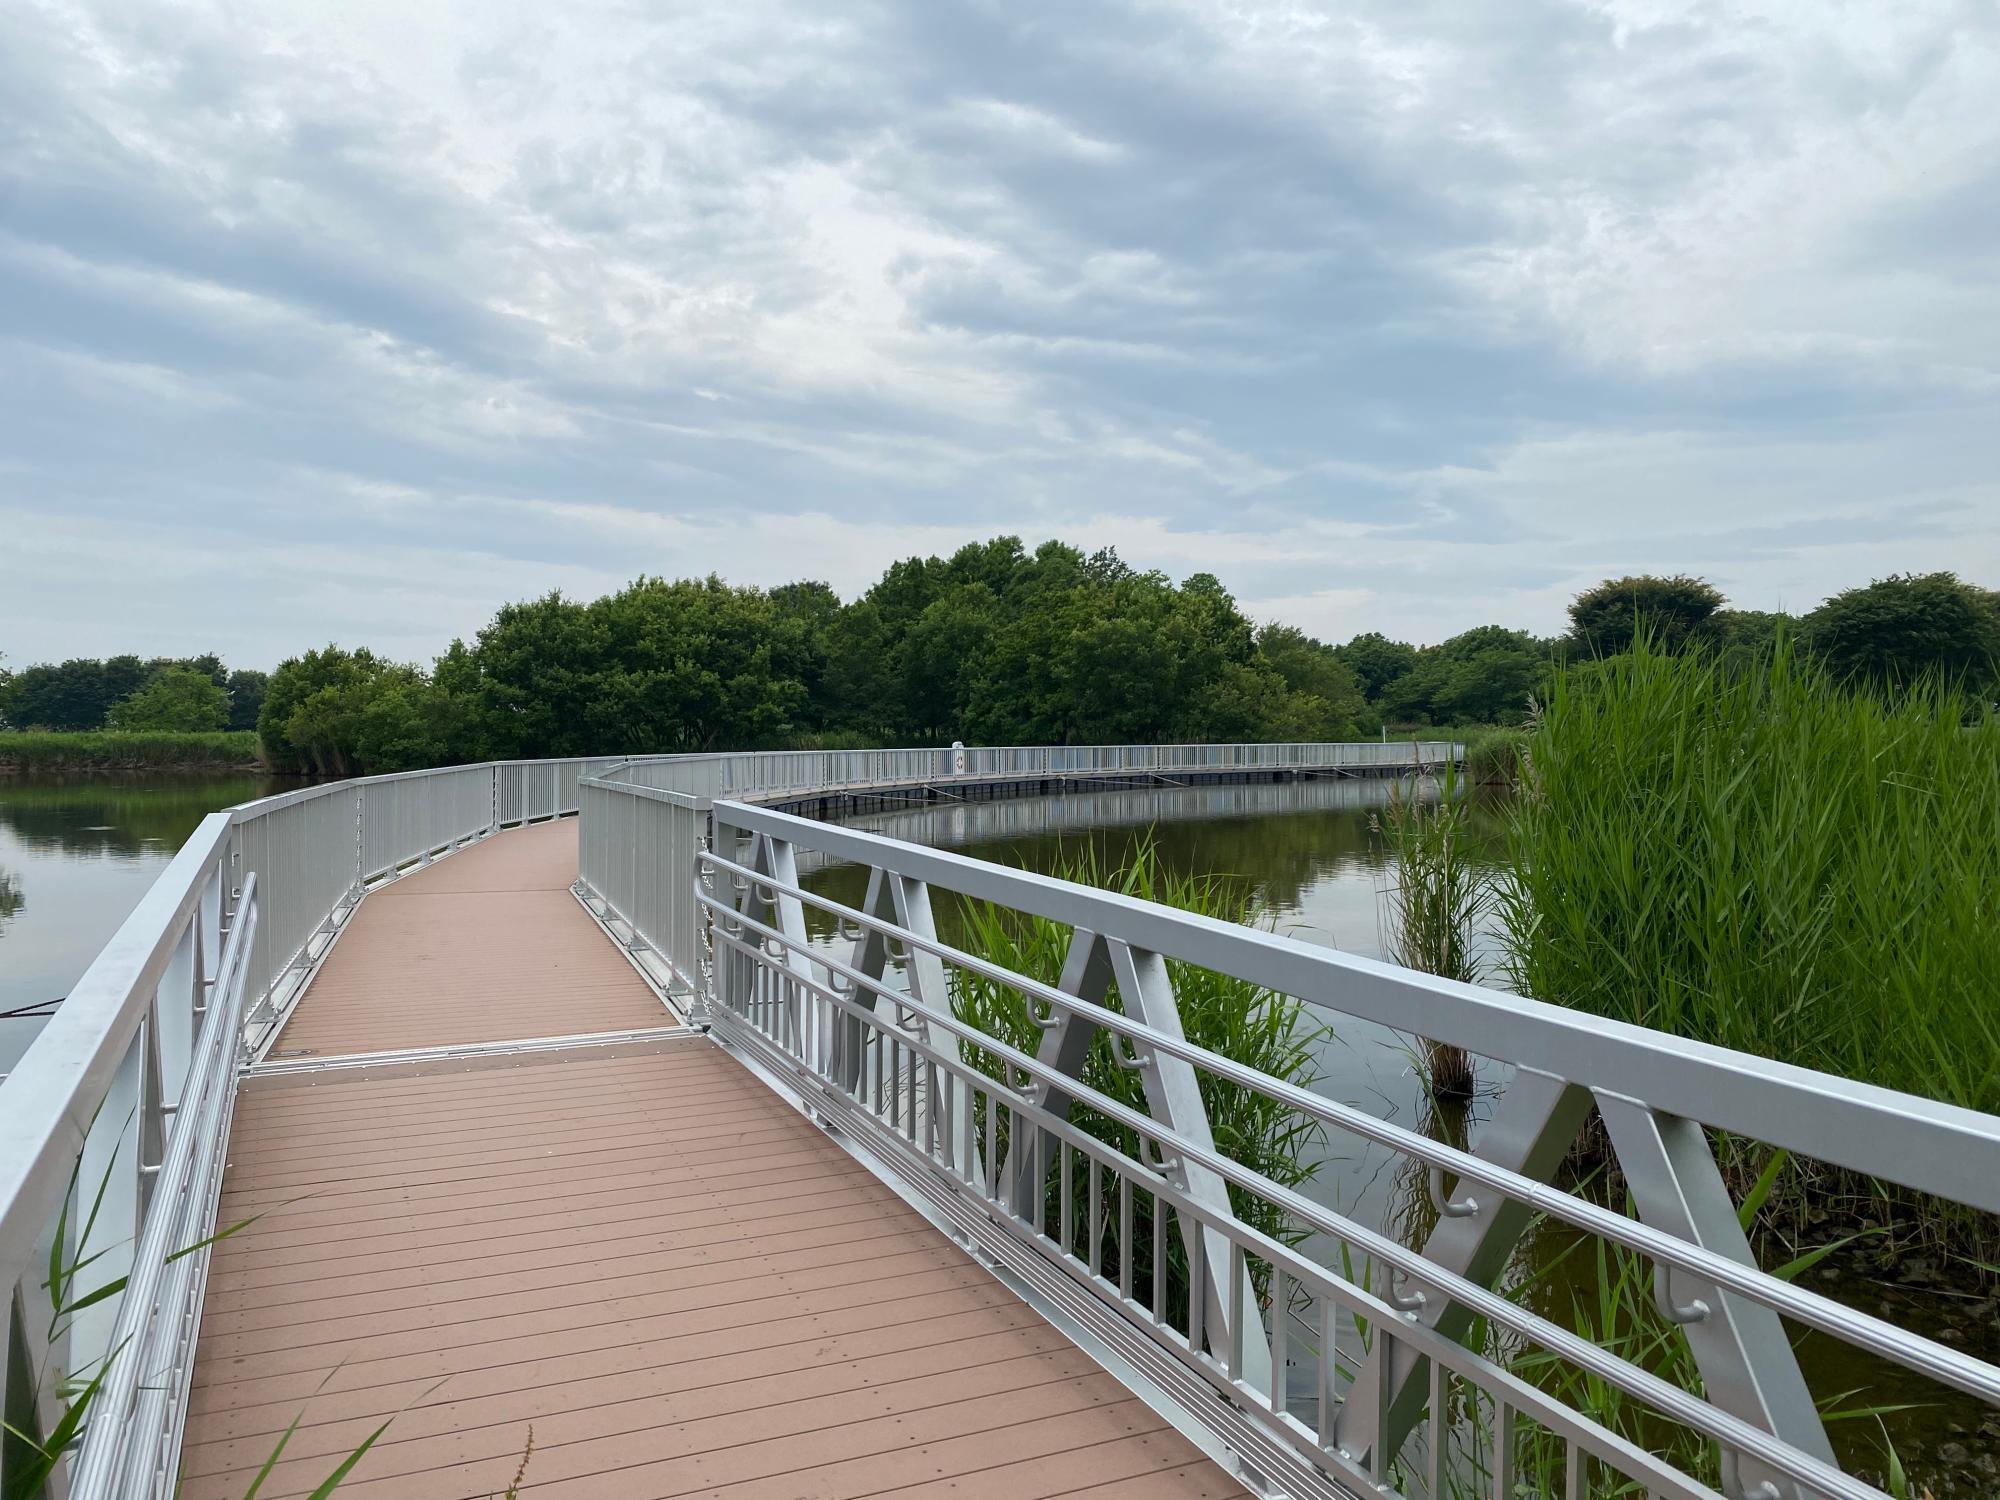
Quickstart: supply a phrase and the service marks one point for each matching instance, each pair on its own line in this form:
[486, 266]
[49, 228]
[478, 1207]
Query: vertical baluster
[1576, 1472]
[1198, 1276]
[1065, 1217]
[1280, 1338]
[1440, 1464]
[1159, 1260]
[992, 1143]
[1328, 1372]
[1378, 1440]
[1096, 1258]
[1503, 1451]
[1238, 1271]
[1125, 1246]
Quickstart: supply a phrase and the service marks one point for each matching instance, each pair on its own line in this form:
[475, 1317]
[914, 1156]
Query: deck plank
[712, 1298]
[486, 945]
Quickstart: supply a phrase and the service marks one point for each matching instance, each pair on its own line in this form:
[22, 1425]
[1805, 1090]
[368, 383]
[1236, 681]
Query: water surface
[76, 854]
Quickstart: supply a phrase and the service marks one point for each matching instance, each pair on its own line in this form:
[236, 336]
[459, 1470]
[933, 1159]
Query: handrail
[878, 1049]
[1926, 1356]
[1668, 1399]
[1920, 1143]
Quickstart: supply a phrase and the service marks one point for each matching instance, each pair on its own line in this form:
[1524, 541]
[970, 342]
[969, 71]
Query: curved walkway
[631, 1250]
[487, 945]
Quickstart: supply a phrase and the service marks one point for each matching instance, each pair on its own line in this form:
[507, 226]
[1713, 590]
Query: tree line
[173, 694]
[992, 645]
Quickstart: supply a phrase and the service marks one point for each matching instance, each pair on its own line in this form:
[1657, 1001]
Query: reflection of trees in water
[11, 899]
[117, 817]
[1278, 839]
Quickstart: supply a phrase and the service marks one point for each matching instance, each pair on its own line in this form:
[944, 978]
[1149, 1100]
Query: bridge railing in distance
[629, 889]
[1333, 1358]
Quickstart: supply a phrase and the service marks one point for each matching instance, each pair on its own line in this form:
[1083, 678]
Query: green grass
[1764, 860]
[1495, 755]
[30, 751]
[1441, 889]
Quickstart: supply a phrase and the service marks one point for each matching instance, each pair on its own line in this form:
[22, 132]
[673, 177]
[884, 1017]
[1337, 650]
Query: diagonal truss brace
[1173, 1097]
[1740, 1348]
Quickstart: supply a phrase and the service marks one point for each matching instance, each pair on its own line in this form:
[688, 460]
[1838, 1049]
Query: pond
[76, 854]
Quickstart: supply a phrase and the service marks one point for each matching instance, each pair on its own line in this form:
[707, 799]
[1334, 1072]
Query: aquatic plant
[1764, 859]
[1439, 890]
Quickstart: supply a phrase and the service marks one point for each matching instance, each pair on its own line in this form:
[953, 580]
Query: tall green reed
[1766, 860]
[1440, 891]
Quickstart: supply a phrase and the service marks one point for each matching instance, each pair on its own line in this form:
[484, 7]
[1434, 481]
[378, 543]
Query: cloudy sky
[355, 320]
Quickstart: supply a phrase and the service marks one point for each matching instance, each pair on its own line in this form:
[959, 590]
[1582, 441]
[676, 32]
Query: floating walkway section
[625, 1245]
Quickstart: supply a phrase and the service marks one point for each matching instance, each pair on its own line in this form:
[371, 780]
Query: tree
[1483, 676]
[1899, 629]
[1315, 670]
[1604, 619]
[313, 712]
[179, 699]
[246, 697]
[1377, 661]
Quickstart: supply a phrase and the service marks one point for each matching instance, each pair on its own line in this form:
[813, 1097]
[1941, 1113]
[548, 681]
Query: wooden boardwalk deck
[636, 1251]
[485, 946]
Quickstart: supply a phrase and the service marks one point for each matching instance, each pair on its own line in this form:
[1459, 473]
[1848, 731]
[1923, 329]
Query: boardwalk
[634, 1249]
[486, 946]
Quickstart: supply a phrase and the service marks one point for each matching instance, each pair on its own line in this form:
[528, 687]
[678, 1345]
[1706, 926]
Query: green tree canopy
[178, 699]
[1896, 630]
[1377, 661]
[1604, 619]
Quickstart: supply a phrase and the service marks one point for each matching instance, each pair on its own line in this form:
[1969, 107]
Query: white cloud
[1395, 316]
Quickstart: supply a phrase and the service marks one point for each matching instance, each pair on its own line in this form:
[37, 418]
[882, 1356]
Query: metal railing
[1369, 1366]
[644, 820]
[108, 1144]
[113, 1123]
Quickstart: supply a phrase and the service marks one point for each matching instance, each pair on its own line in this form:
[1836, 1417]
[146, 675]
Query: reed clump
[1497, 755]
[1763, 859]
[1434, 904]
[30, 751]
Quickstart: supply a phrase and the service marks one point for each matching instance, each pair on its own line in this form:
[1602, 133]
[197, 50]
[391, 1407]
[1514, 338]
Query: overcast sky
[353, 321]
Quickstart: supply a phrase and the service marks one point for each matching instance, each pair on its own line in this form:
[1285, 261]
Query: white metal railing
[99, 1128]
[117, 1096]
[113, 1123]
[1339, 1381]
[645, 817]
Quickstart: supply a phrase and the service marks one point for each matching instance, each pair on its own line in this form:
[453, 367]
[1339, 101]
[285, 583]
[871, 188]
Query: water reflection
[76, 854]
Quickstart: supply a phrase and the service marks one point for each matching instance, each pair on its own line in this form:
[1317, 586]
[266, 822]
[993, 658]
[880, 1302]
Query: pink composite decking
[485, 946]
[635, 1249]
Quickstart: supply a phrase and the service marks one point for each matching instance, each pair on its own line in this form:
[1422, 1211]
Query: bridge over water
[544, 1097]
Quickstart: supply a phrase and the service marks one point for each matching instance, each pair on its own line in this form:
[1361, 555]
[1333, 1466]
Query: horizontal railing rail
[1410, 1358]
[98, 1125]
[643, 817]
